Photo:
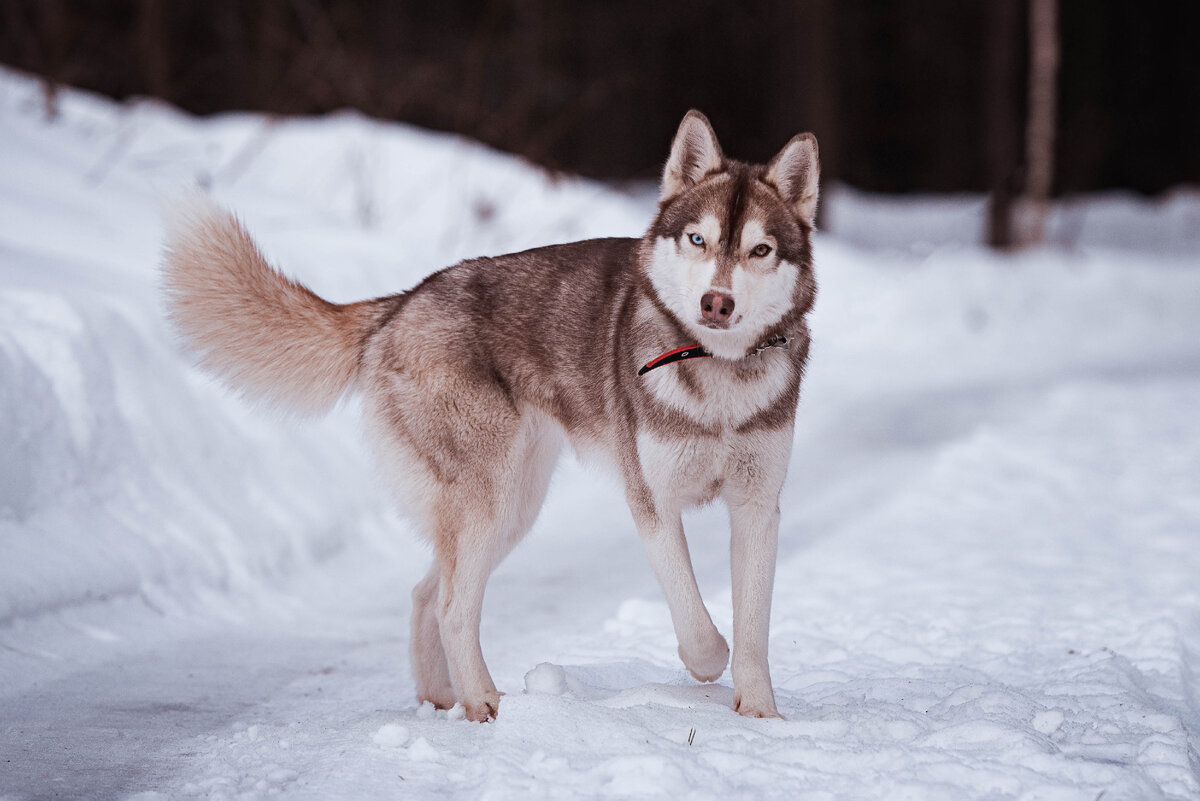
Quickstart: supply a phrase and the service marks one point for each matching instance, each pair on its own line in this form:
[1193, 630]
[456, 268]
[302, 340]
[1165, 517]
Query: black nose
[716, 307]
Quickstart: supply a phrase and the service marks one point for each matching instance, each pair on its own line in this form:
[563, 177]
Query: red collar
[686, 352]
[697, 352]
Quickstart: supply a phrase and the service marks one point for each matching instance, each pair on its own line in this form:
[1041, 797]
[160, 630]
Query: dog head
[729, 253]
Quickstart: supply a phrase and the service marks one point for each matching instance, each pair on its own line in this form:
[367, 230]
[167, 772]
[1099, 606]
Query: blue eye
[697, 240]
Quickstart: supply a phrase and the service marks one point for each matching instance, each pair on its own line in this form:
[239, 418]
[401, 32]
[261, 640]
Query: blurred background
[1017, 98]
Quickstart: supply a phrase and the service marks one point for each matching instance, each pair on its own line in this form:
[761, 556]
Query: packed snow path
[987, 584]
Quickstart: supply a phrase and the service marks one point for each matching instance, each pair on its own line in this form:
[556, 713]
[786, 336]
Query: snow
[987, 584]
[391, 735]
[546, 679]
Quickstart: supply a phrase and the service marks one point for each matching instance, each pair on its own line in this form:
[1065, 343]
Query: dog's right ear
[694, 154]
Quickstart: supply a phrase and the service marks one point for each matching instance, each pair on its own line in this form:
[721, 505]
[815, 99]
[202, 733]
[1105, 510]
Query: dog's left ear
[796, 173]
[694, 154]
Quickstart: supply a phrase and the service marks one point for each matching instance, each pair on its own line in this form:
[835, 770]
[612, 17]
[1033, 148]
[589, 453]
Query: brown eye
[761, 250]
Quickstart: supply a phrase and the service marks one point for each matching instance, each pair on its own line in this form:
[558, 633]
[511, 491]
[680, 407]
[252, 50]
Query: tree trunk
[1043, 101]
[152, 47]
[1001, 115]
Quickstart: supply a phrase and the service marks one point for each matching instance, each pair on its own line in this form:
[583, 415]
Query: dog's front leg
[755, 539]
[703, 650]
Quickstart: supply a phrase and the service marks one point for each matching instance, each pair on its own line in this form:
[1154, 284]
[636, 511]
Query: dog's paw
[756, 707]
[438, 693]
[483, 709]
[443, 700]
[708, 663]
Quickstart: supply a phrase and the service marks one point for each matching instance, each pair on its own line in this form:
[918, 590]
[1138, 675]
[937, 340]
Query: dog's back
[543, 325]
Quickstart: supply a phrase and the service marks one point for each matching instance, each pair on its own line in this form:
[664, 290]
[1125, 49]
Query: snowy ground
[987, 585]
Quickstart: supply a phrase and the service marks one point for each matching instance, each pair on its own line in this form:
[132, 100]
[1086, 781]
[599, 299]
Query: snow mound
[391, 735]
[546, 679]
[117, 476]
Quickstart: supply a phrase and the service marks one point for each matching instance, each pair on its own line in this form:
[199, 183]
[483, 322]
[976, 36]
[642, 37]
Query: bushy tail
[265, 334]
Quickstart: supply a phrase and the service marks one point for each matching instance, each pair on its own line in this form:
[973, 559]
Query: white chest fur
[684, 472]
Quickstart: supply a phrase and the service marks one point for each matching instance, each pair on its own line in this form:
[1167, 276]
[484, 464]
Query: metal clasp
[775, 341]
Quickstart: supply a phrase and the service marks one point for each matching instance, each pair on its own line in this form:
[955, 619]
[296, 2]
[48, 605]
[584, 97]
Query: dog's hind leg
[465, 560]
[471, 465]
[473, 534]
[428, 657]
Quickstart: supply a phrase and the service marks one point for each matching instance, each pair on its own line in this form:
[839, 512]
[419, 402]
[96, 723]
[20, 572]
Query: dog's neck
[777, 340]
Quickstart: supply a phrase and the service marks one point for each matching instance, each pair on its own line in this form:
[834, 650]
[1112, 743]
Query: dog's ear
[796, 173]
[694, 154]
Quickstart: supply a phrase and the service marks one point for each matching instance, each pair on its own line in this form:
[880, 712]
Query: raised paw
[707, 663]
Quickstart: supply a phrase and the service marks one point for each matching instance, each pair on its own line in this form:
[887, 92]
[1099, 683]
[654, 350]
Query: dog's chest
[689, 471]
[718, 395]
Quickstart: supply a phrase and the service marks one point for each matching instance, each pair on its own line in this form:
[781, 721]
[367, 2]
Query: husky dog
[474, 379]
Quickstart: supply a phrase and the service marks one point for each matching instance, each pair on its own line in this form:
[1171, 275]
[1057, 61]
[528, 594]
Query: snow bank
[125, 471]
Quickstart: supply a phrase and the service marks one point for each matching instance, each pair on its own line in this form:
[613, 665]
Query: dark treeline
[909, 95]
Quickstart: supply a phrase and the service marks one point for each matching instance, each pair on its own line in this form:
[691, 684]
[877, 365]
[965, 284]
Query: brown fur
[473, 378]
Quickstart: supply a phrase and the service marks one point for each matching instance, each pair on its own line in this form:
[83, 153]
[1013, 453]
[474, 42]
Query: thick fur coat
[474, 380]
